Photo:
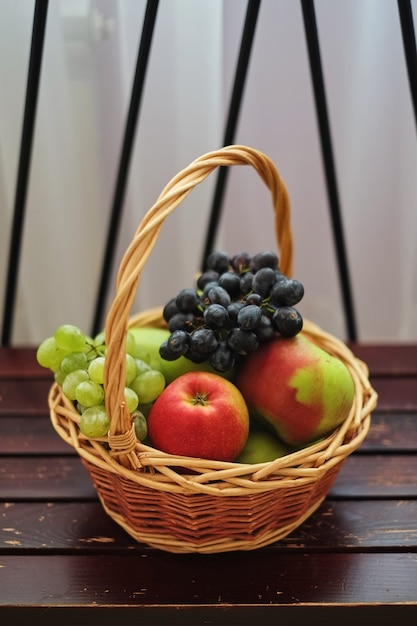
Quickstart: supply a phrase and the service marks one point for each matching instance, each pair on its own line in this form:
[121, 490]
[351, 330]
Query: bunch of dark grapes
[237, 304]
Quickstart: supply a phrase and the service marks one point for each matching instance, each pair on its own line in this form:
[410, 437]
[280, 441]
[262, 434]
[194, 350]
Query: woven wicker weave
[183, 504]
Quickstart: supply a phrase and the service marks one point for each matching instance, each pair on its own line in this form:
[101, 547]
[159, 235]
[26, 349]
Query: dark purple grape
[265, 331]
[263, 281]
[218, 295]
[233, 309]
[178, 342]
[222, 359]
[287, 321]
[231, 282]
[242, 341]
[279, 276]
[203, 341]
[254, 298]
[264, 259]
[209, 276]
[166, 353]
[187, 300]
[246, 283]
[216, 316]
[218, 261]
[207, 287]
[182, 321]
[249, 317]
[241, 262]
[170, 309]
[287, 292]
[246, 298]
[195, 357]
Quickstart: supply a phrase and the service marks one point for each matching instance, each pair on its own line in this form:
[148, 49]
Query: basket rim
[158, 470]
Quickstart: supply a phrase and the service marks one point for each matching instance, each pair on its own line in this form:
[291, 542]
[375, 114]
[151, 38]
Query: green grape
[96, 369]
[148, 386]
[141, 426]
[132, 399]
[130, 369]
[59, 377]
[99, 343]
[70, 338]
[74, 361]
[89, 393]
[49, 355]
[99, 339]
[71, 382]
[130, 343]
[141, 366]
[95, 422]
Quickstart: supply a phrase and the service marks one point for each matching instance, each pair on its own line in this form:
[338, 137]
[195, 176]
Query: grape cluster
[237, 304]
[77, 362]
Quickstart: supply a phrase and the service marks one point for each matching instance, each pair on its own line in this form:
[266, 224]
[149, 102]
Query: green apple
[262, 446]
[148, 341]
[201, 415]
[296, 387]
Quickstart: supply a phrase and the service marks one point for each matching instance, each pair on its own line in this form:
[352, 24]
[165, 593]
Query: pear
[297, 388]
[149, 339]
[261, 447]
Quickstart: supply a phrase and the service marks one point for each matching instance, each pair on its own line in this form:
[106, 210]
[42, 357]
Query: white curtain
[88, 64]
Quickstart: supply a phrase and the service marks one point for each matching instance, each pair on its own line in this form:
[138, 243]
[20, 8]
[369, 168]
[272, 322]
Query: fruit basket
[184, 504]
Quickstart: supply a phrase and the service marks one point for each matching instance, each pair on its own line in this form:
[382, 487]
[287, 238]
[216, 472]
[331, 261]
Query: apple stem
[200, 398]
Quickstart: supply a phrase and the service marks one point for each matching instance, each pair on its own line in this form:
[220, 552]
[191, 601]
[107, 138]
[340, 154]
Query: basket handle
[141, 246]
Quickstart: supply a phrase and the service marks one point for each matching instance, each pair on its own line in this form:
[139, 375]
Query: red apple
[200, 414]
[300, 390]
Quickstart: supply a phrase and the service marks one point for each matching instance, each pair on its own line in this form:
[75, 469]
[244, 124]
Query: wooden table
[63, 559]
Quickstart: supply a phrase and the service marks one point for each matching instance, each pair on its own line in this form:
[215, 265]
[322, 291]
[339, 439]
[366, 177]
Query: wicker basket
[183, 504]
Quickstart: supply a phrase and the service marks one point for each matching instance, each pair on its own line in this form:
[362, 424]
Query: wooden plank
[31, 396]
[36, 435]
[44, 478]
[182, 580]
[391, 359]
[301, 614]
[391, 432]
[26, 396]
[396, 394]
[47, 478]
[20, 363]
[395, 359]
[377, 476]
[31, 435]
[377, 525]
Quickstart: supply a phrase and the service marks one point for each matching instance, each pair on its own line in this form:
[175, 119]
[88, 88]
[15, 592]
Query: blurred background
[88, 64]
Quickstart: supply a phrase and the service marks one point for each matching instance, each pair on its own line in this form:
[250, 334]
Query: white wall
[85, 88]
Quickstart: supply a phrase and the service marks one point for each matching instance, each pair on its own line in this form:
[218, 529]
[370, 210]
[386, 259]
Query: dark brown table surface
[63, 559]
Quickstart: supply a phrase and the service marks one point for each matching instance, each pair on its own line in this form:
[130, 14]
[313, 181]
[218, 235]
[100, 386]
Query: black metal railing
[138, 85]
[28, 127]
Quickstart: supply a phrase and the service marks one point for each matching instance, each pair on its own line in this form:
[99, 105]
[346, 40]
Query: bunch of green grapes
[77, 362]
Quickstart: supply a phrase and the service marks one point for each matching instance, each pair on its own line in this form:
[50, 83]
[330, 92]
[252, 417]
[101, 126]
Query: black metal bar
[410, 48]
[125, 158]
[32, 88]
[312, 40]
[232, 120]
